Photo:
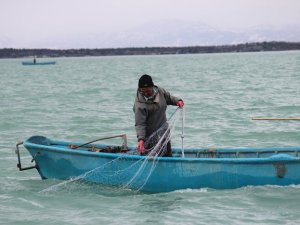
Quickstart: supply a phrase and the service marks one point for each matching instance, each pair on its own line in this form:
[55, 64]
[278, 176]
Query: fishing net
[134, 174]
[157, 143]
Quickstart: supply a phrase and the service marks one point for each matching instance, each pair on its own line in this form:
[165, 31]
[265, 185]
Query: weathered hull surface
[225, 168]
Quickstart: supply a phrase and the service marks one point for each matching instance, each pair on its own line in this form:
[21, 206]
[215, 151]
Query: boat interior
[238, 152]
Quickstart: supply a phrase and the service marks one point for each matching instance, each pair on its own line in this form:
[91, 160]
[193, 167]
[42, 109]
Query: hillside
[247, 47]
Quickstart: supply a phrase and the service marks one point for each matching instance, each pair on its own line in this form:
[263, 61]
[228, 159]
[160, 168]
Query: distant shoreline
[247, 47]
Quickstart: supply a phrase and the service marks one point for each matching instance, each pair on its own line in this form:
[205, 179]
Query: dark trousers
[168, 152]
[154, 138]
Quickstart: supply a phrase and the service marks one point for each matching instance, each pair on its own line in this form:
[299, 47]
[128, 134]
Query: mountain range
[159, 34]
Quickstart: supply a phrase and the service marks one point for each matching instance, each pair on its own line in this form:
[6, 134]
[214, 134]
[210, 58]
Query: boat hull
[38, 63]
[55, 160]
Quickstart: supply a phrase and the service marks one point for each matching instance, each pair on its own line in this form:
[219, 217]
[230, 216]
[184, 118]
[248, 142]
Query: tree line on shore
[247, 47]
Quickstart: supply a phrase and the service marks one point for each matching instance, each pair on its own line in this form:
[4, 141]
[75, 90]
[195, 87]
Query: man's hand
[180, 104]
[141, 147]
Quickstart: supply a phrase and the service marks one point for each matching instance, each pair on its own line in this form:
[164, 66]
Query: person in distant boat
[34, 60]
[150, 107]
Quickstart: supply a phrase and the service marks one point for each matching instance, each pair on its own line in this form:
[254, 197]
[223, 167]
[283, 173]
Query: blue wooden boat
[121, 166]
[29, 63]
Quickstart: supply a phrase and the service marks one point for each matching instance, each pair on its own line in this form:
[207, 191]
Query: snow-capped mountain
[158, 34]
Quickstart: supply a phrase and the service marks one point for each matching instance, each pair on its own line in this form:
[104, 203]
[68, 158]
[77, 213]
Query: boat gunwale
[54, 147]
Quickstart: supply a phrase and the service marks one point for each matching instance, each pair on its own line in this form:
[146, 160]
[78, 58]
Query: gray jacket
[150, 114]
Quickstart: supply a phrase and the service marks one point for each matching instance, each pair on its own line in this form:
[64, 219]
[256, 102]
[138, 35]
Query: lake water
[82, 99]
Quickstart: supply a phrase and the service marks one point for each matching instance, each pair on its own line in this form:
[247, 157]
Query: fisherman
[150, 115]
[34, 60]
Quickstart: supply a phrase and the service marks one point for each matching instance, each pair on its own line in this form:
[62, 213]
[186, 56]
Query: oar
[275, 118]
[182, 133]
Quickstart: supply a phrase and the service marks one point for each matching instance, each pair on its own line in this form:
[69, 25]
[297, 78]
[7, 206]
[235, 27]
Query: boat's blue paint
[29, 63]
[221, 168]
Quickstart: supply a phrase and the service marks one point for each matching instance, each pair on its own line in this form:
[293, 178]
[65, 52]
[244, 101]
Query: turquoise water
[82, 99]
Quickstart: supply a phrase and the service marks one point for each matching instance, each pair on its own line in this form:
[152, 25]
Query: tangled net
[136, 174]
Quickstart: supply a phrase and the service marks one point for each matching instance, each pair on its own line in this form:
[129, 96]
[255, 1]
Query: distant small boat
[222, 168]
[28, 63]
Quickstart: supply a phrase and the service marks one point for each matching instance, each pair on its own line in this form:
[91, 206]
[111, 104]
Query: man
[150, 113]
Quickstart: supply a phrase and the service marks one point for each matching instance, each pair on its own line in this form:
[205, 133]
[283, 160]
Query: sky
[31, 20]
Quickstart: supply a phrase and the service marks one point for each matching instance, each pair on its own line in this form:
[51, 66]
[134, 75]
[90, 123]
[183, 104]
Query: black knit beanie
[145, 81]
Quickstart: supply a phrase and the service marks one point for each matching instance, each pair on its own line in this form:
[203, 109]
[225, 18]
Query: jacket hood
[142, 99]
